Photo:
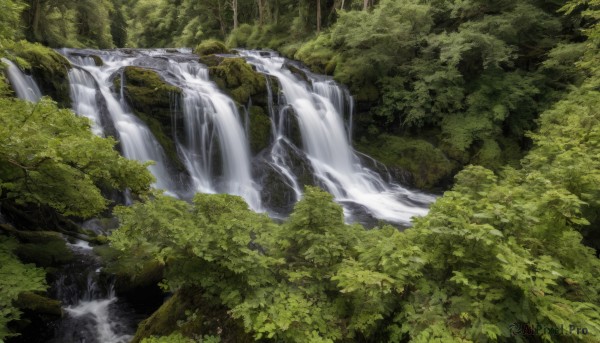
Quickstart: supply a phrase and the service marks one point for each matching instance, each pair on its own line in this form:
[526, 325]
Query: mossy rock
[44, 248]
[211, 60]
[298, 72]
[208, 319]
[427, 164]
[260, 129]
[240, 81]
[130, 274]
[38, 304]
[211, 47]
[97, 60]
[49, 68]
[151, 99]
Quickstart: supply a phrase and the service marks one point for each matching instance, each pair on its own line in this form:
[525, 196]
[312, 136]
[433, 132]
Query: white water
[83, 89]
[23, 85]
[210, 116]
[92, 314]
[326, 142]
[137, 142]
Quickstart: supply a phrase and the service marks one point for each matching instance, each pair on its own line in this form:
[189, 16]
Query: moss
[38, 304]
[44, 248]
[238, 79]
[207, 319]
[427, 164]
[260, 129]
[151, 99]
[211, 60]
[211, 47]
[49, 68]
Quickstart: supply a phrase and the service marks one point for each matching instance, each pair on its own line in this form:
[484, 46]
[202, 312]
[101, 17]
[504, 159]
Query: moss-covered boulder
[44, 248]
[427, 164]
[260, 129]
[211, 47]
[240, 81]
[188, 312]
[49, 68]
[39, 304]
[151, 99]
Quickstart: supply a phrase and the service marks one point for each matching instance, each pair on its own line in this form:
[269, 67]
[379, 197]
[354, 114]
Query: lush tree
[49, 157]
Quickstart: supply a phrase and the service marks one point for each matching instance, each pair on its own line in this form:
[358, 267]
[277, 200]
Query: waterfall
[23, 85]
[211, 121]
[93, 313]
[311, 123]
[326, 141]
[83, 89]
[136, 139]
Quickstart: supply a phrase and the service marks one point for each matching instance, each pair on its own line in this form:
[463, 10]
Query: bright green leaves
[15, 278]
[50, 157]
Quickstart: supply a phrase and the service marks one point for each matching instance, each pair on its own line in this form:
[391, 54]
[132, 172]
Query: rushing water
[210, 118]
[319, 107]
[212, 138]
[136, 140]
[23, 85]
[93, 314]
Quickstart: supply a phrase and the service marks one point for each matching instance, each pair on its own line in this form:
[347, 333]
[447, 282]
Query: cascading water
[326, 143]
[208, 114]
[137, 142]
[84, 93]
[213, 145]
[24, 85]
[93, 313]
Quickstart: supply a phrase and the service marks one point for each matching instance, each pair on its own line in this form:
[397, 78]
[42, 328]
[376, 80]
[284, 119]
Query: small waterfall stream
[319, 109]
[208, 114]
[93, 314]
[136, 140]
[23, 85]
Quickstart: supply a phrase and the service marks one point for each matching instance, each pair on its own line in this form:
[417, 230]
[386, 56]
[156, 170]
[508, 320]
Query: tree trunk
[342, 6]
[261, 12]
[366, 5]
[234, 7]
[318, 16]
[36, 10]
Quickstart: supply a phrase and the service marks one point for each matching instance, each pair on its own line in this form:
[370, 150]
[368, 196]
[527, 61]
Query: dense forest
[492, 105]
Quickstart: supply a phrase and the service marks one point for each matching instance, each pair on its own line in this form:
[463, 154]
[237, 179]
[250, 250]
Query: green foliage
[427, 164]
[15, 278]
[50, 158]
[10, 20]
[497, 250]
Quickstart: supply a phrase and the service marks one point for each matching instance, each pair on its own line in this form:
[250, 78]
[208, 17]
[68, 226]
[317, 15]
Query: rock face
[152, 100]
[260, 129]
[49, 69]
